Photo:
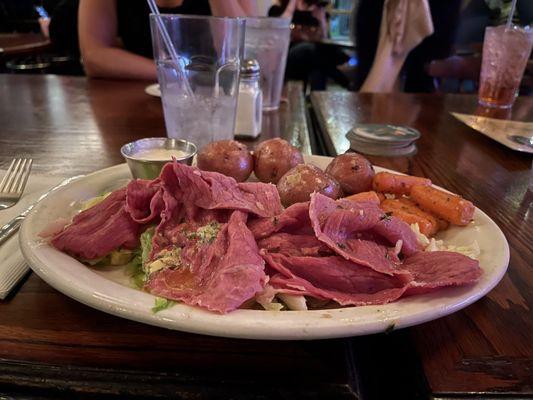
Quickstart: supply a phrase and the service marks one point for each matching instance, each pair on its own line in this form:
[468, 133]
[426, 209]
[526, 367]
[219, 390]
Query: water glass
[199, 90]
[267, 40]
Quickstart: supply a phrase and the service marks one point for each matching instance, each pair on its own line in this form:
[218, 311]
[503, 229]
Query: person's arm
[233, 8]
[102, 57]
[320, 14]
[289, 10]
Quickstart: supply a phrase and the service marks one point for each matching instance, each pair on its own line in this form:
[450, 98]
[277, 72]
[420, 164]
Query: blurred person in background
[478, 14]
[115, 39]
[445, 17]
[310, 60]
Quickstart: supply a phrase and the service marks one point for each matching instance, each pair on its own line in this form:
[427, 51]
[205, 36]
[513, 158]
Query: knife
[13, 226]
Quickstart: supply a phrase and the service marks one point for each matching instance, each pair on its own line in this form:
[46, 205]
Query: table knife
[12, 226]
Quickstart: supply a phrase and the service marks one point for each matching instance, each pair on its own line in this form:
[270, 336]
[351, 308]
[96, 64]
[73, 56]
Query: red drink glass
[505, 55]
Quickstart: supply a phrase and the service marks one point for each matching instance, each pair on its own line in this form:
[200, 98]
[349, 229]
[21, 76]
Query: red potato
[227, 157]
[450, 207]
[385, 182]
[273, 158]
[353, 171]
[299, 182]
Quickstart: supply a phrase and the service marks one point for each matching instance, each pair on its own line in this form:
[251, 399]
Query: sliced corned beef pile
[218, 276]
[99, 230]
[345, 251]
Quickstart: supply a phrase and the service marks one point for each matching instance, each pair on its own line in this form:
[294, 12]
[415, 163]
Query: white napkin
[12, 264]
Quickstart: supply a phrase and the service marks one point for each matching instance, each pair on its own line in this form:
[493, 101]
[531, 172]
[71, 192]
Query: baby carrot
[371, 197]
[398, 184]
[410, 206]
[411, 215]
[449, 207]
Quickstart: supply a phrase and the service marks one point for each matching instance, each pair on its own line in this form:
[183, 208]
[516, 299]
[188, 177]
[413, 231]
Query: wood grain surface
[54, 347]
[12, 44]
[486, 349]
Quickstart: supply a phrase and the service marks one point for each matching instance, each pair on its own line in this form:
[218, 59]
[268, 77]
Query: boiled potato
[228, 157]
[353, 172]
[273, 158]
[299, 182]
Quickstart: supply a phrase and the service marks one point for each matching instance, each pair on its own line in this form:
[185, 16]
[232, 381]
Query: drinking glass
[267, 40]
[505, 55]
[199, 90]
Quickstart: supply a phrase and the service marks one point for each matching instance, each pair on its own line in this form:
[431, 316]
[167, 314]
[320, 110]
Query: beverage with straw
[506, 50]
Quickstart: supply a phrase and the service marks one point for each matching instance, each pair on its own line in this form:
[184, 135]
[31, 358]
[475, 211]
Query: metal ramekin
[150, 169]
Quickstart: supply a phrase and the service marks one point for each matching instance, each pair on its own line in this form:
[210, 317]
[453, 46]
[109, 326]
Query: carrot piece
[371, 197]
[442, 225]
[410, 206]
[450, 207]
[411, 214]
[398, 184]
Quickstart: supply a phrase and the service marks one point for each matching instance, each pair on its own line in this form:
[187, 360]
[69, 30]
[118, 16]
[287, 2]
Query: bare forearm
[117, 63]
[289, 10]
[233, 8]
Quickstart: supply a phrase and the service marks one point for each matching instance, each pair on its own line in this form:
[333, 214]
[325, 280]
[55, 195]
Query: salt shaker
[250, 101]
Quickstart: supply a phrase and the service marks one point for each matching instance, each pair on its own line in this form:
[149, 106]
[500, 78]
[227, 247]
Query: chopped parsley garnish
[205, 234]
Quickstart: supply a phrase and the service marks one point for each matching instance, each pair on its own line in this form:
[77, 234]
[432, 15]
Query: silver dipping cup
[150, 169]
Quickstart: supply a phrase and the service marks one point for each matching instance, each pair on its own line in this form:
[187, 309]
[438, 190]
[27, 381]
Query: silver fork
[14, 181]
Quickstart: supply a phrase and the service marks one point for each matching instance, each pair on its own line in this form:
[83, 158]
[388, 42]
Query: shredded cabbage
[293, 302]
[472, 250]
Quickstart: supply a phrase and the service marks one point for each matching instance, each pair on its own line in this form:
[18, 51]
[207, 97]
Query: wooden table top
[22, 43]
[486, 349]
[55, 347]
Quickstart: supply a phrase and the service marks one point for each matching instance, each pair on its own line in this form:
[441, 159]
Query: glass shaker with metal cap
[250, 100]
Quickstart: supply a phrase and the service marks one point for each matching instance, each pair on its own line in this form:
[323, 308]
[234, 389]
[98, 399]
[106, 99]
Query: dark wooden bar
[486, 350]
[55, 347]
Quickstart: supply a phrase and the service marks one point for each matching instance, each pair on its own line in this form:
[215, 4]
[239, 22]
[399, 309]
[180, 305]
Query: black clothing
[64, 28]
[298, 18]
[312, 62]
[134, 22]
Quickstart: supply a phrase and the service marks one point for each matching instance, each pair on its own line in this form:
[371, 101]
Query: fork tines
[16, 176]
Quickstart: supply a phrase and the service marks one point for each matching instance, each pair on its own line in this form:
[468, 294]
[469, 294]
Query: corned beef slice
[294, 245]
[394, 229]
[333, 278]
[294, 219]
[436, 269]
[144, 200]
[211, 190]
[221, 276]
[97, 231]
[339, 223]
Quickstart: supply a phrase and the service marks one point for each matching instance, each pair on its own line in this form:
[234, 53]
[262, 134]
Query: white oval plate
[153, 90]
[108, 289]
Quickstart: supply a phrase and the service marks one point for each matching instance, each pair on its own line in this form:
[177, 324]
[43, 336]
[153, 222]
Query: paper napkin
[499, 129]
[12, 264]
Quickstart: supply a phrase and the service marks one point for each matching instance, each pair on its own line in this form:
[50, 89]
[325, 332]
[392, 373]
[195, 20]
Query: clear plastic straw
[511, 15]
[176, 60]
